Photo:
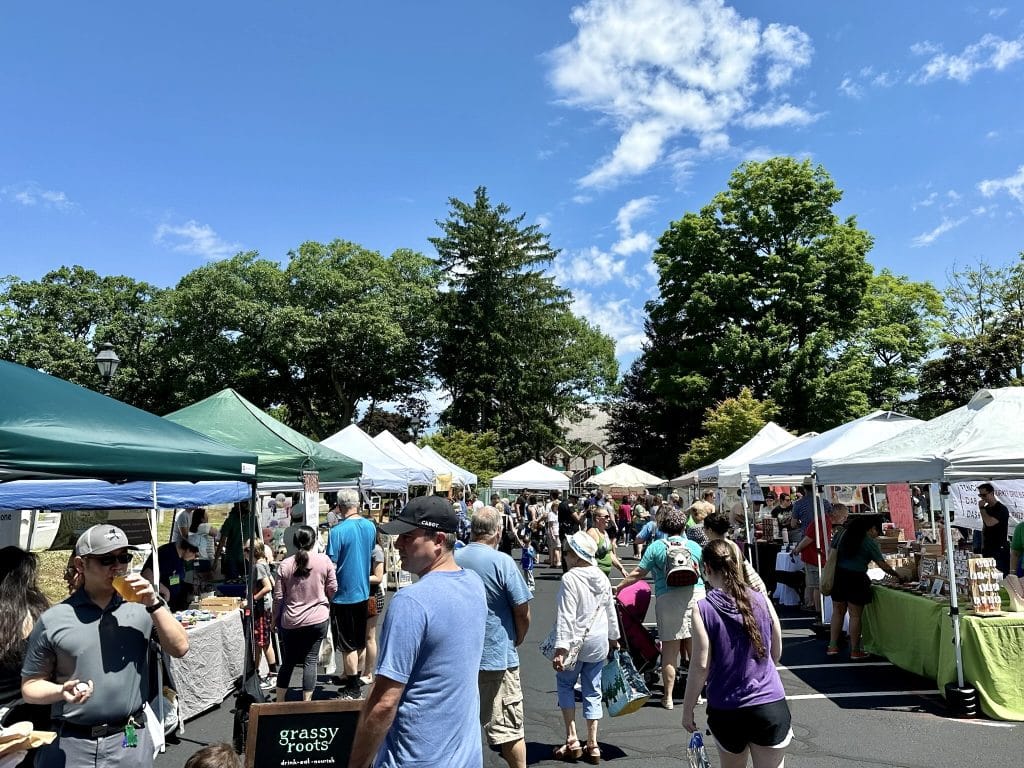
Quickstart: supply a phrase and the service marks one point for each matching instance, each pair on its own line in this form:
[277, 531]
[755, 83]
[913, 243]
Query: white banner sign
[963, 500]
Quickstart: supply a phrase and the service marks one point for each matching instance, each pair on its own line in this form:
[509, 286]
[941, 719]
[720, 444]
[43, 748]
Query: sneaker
[350, 692]
[832, 650]
[859, 655]
[268, 683]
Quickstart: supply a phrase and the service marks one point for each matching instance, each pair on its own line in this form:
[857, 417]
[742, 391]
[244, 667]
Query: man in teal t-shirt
[1017, 550]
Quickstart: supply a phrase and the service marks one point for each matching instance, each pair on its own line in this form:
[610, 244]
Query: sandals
[571, 751]
[593, 755]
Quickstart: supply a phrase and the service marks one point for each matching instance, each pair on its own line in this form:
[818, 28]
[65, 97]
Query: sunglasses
[108, 560]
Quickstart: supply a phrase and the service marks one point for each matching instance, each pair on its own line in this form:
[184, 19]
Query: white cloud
[995, 13]
[1011, 185]
[619, 318]
[661, 69]
[990, 52]
[581, 199]
[772, 116]
[851, 88]
[195, 239]
[543, 221]
[591, 266]
[927, 202]
[927, 238]
[31, 194]
[630, 241]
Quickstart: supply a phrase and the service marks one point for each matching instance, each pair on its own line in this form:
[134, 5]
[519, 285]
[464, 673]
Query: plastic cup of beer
[125, 590]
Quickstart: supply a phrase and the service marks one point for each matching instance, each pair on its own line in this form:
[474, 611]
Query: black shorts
[766, 725]
[348, 625]
[851, 587]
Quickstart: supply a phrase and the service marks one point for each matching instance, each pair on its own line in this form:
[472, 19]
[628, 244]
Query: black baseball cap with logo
[432, 513]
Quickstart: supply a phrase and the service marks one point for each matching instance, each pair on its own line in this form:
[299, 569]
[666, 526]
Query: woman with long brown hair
[737, 640]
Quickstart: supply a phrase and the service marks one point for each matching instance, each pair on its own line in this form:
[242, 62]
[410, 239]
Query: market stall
[207, 674]
[626, 477]
[531, 475]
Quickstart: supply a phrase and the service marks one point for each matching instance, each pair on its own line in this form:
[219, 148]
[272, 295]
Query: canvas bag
[623, 688]
[548, 646]
[828, 573]
[680, 568]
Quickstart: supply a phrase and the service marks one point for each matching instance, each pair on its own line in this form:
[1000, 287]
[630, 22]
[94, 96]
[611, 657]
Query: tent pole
[819, 533]
[32, 515]
[751, 535]
[954, 610]
[156, 578]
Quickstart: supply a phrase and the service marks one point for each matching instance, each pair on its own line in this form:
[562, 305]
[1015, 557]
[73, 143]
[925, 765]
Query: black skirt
[851, 587]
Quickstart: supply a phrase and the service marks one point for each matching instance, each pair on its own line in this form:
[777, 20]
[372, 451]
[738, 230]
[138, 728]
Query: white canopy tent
[532, 476]
[792, 465]
[983, 440]
[732, 471]
[395, 448]
[690, 478]
[380, 471]
[440, 467]
[625, 476]
[468, 478]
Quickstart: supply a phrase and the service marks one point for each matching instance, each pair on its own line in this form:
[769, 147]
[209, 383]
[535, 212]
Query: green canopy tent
[51, 428]
[284, 454]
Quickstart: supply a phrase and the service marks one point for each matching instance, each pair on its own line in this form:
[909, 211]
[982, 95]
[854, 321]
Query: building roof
[591, 429]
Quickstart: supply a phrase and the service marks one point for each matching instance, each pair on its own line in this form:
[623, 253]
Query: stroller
[631, 605]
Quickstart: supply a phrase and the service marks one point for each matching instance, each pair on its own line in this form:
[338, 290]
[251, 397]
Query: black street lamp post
[107, 361]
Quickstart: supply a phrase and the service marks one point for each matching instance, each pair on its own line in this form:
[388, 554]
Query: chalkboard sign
[301, 733]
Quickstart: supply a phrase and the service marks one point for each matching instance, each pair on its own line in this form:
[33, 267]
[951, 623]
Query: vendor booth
[531, 476]
[352, 441]
[626, 477]
[415, 471]
[468, 478]
[983, 440]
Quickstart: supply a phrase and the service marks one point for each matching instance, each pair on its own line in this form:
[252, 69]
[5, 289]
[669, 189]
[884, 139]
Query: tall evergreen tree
[512, 355]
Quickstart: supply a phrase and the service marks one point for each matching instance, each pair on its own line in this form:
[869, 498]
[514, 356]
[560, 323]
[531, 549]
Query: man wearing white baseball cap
[89, 658]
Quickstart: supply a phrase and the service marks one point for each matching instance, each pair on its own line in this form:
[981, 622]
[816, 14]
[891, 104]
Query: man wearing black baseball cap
[98, 706]
[439, 618]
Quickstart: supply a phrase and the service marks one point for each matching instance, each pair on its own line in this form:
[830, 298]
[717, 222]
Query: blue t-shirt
[653, 562]
[505, 588]
[350, 547]
[529, 558]
[431, 642]
[650, 531]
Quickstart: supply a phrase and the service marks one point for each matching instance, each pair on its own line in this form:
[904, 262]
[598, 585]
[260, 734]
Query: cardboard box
[888, 544]
[220, 604]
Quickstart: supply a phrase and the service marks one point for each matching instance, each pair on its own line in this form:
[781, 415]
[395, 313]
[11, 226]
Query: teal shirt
[653, 562]
[859, 562]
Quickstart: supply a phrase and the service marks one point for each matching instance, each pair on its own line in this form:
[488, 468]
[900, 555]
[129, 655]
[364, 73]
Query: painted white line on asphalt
[837, 664]
[989, 723]
[808, 617]
[860, 695]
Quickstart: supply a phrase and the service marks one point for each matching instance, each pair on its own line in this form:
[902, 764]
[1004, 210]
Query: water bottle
[785, 538]
[696, 753]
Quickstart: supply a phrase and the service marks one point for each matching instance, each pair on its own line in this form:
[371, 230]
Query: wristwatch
[160, 603]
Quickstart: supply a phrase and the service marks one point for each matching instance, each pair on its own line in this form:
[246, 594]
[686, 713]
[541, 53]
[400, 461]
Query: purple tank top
[735, 677]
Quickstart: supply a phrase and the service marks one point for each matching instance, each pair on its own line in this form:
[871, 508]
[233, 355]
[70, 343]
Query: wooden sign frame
[265, 712]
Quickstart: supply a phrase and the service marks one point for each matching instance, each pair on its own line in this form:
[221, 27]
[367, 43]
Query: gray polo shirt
[77, 639]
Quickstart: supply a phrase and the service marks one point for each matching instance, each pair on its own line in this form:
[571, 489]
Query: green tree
[407, 422]
[476, 451]
[727, 426]
[56, 323]
[513, 356]
[759, 289]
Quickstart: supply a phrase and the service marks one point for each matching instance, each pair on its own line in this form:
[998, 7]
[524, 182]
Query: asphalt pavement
[849, 714]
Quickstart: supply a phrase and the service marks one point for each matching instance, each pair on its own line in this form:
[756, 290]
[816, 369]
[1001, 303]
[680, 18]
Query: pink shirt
[304, 602]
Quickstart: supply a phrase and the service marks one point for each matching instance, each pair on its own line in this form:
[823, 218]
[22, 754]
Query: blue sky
[147, 139]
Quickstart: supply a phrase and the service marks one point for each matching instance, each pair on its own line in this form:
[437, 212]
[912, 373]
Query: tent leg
[32, 515]
[751, 536]
[156, 578]
[819, 533]
[954, 609]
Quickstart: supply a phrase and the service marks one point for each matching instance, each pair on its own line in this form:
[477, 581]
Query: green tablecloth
[916, 634]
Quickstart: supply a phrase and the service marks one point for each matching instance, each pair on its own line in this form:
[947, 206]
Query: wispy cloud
[662, 69]
[620, 319]
[927, 238]
[591, 266]
[630, 241]
[945, 200]
[851, 88]
[1011, 185]
[995, 13]
[194, 239]
[990, 52]
[31, 194]
[543, 221]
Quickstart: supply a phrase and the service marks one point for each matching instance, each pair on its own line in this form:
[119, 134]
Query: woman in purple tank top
[737, 640]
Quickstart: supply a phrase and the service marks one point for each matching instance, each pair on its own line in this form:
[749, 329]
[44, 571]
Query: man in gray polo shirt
[89, 658]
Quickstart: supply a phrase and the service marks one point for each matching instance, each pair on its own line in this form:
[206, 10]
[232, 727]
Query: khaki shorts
[698, 594]
[670, 613]
[501, 706]
[812, 578]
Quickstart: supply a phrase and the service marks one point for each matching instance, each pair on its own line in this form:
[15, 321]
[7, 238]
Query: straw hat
[583, 546]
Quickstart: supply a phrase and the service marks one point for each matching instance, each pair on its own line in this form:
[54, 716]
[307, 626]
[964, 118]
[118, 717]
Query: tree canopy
[727, 426]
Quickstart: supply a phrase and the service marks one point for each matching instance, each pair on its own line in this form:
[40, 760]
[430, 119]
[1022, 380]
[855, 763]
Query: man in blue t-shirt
[423, 706]
[350, 547]
[508, 619]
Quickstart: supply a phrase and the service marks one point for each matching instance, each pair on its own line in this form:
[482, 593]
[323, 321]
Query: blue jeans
[589, 674]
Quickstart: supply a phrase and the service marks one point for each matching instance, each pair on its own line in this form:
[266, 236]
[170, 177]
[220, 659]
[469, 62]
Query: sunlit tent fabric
[690, 478]
[733, 470]
[625, 476]
[983, 440]
[467, 477]
[440, 467]
[52, 428]
[61, 495]
[283, 453]
[794, 464]
[354, 442]
[394, 448]
[531, 476]
[380, 471]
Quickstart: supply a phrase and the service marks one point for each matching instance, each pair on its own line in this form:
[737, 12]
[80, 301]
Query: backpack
[680, 568]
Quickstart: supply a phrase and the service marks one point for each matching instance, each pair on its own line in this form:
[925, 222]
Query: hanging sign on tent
[845, 494]
[754, 490]
[963, 501]
[311, 497]
[901, 508]
[134, 523]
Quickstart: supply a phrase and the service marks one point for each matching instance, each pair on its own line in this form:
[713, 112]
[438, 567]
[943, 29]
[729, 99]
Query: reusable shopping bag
[622, 687]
